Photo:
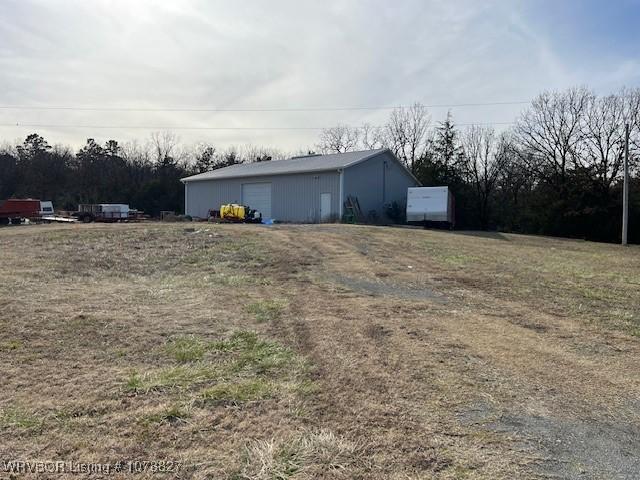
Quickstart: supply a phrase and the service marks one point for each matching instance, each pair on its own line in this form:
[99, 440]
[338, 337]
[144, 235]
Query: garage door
[258, 196]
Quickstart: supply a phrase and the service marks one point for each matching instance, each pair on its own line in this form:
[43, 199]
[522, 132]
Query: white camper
[430, 204]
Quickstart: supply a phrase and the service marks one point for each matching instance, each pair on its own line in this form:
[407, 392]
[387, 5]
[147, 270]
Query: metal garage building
[306, 189]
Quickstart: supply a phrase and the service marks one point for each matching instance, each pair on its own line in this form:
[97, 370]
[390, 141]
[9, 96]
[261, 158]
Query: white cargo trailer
[430, 204]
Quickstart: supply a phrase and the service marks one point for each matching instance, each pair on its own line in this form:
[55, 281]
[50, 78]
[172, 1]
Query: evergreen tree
[447, 151]
[205, 160]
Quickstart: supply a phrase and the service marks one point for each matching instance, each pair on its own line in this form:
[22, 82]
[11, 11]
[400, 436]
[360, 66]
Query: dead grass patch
[596, 281]
[307, 455]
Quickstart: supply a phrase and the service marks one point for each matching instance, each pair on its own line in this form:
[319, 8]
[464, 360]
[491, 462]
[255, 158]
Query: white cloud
[256, 54]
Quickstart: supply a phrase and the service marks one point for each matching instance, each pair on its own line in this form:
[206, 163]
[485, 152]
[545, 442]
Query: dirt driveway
[438, 358]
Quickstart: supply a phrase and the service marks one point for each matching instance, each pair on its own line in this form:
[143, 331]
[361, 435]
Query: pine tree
[442, 161]
[205, 159]
[447, 152]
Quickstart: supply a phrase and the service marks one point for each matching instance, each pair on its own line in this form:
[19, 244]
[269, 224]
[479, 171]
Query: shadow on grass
[481, 234]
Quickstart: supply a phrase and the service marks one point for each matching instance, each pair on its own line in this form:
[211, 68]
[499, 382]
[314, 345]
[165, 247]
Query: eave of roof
[194, 178]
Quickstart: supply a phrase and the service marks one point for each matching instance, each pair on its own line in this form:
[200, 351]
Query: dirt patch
[536, 327]
[377, 332]
[380, 288]
[562, 447]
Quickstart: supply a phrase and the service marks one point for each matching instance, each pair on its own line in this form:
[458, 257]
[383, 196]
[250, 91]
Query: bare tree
[407, 132]
[603, 138]
[550, 132]
[631, 100]
[515, 179]
[372, 137]
[9, 148]
[338, 139]
[229, 156]
[162, 144]
[252, 153]
[484, 155]
[135, 153]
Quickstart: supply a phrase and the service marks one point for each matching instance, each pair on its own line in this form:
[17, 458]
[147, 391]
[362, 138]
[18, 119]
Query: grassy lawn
[332, 351]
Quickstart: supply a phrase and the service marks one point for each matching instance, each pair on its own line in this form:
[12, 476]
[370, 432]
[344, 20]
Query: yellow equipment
[232, 212]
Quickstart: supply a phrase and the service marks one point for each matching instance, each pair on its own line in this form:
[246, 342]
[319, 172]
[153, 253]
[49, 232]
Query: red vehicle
[15, 210]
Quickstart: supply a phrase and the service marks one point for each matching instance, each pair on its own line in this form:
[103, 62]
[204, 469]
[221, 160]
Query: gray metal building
[307, 189]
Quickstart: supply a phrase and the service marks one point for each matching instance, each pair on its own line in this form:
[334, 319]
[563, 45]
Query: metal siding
[398, 180]
[295, 198]
[366, 180]
[186, 198]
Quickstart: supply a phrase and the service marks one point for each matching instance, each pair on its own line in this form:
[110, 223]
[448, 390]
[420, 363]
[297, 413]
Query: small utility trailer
[102, 212]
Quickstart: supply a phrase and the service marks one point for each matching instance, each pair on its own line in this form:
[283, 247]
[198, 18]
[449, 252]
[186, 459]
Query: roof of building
[303, 164]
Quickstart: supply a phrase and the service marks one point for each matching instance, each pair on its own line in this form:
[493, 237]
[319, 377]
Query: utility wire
[214, 109]
[169, 127]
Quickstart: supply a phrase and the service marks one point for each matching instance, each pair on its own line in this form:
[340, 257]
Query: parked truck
[430, 206]
[16, 210]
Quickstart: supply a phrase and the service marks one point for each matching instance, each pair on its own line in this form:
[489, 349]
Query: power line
[153, 127]
[179, 127]
[241, 110]
[482, 124]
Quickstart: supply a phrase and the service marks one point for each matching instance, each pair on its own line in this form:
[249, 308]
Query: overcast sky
[296, 54]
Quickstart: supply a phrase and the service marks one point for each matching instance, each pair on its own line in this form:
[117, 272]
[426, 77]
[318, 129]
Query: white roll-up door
[257, 196]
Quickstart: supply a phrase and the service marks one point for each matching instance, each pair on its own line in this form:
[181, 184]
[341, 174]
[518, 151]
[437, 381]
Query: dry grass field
[327, 351]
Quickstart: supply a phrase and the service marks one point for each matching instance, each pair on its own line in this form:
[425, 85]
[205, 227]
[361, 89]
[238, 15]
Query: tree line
[145, 175]
[556, 171]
